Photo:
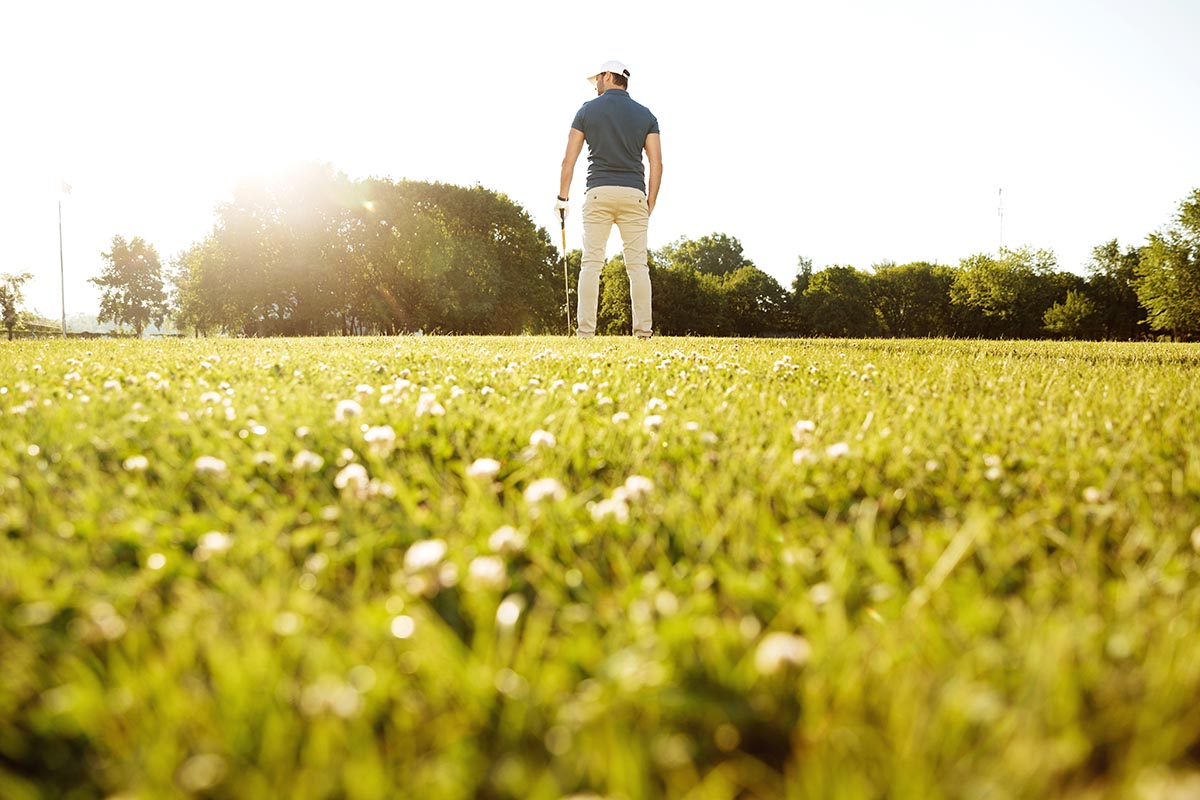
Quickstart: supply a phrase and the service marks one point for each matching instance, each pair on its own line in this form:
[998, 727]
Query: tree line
[317, 253]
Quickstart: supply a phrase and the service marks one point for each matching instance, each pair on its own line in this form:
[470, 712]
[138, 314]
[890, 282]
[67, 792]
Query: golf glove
[560, 208]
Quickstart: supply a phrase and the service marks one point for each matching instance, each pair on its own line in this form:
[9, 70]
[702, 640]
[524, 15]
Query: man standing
[616, 130]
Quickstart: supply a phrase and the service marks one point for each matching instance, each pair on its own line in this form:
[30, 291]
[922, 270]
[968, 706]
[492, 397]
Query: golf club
[562, 215]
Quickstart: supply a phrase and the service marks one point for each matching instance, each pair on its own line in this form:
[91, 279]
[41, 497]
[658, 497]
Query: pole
[1000, 211]
[566, 281]
[61, 272]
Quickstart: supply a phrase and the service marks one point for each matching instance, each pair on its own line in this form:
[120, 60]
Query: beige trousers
[625, 207]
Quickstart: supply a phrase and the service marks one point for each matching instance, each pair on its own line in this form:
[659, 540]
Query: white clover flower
[210, 465]
[653, 421]
[287, 623]
[656, 404]
[638, 486]
[540, 438]
[510, 610]
[428, 403]
[579, 388]
[837, 450]
[211, 543]
[136, 464]
[803, 456]
[487, 572]
[264, 458]
[353, 479]
[483, 468]
[544, 489]
[486, 390]
[403, 626]
[364, 389]
[506, 540]
[821, 593]
[307, 461]
[381, 438]
[210, 398]
[803, 429]
[424, 555]
[620, 417]
[777, 650]
[614, 507]
[346, 409]
[112, 384]
[1092, 495]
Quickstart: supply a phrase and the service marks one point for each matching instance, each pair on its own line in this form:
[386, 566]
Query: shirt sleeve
[578, 123]
[653, 125]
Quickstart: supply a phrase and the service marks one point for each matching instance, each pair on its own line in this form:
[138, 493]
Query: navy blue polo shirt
[615, 128]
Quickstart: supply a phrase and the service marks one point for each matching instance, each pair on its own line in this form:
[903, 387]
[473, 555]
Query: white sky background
[850, 132]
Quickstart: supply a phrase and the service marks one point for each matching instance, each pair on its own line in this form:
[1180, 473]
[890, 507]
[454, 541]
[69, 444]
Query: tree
[1112, 275]
[312, 252]
[794, 319]
[1168, 273]
[716, 254]
[837, 302]
[11, 299]
[1072, 317]
[1008, 295]
[755, 302]
[913, 299]
[132, 285]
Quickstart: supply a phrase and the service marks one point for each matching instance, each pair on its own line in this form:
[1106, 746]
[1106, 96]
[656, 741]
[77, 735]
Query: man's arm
[574, 148]
[654, 153]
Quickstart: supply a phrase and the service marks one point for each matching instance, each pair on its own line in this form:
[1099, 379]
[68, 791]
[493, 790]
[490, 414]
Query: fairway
[538, 567]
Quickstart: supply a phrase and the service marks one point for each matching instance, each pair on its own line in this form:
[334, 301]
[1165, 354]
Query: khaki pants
[603, 207]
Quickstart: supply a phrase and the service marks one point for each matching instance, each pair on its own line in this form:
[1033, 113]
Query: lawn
[536, 567]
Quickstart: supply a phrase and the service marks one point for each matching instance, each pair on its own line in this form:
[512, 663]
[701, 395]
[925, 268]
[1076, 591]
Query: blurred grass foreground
[542, 568]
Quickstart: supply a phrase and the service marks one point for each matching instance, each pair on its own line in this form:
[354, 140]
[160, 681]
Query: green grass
[977, 575]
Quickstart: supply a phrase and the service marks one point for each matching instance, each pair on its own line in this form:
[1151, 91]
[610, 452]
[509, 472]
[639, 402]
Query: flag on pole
[66, 188]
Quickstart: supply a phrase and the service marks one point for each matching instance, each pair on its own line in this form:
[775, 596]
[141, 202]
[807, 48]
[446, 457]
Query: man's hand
[561, 207]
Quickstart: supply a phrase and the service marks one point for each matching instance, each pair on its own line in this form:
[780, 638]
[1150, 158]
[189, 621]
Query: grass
[696, 568]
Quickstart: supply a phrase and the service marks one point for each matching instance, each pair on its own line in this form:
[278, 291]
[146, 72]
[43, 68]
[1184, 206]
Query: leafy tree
[688, 303]
[1072, 317]
[914, 299]
[795, 320]
[1168, 273]
[716, 254]
[1111, 285]
[11, 299]
[313, 252]
[755, 301]
[1007, 295]
[615, 316]
[132, 285]
[837, 302]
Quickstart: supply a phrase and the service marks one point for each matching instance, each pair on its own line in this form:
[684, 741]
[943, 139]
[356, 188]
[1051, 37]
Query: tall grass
[538, 567]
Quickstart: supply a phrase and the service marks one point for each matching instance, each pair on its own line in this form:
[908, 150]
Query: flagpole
[61, 272]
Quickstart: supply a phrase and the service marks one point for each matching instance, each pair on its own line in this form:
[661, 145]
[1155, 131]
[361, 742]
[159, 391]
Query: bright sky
[848, 131]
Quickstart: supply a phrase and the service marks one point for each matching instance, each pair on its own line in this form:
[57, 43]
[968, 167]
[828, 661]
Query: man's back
[615, 128]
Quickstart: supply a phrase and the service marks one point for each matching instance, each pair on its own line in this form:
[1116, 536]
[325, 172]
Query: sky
[849, 132]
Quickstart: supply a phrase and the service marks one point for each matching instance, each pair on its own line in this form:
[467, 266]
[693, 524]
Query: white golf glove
[560, 208]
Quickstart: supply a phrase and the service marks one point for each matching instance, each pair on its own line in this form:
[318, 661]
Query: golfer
[616, 130]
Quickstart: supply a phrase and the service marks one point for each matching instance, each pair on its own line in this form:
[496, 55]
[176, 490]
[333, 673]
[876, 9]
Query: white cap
[610, 66]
